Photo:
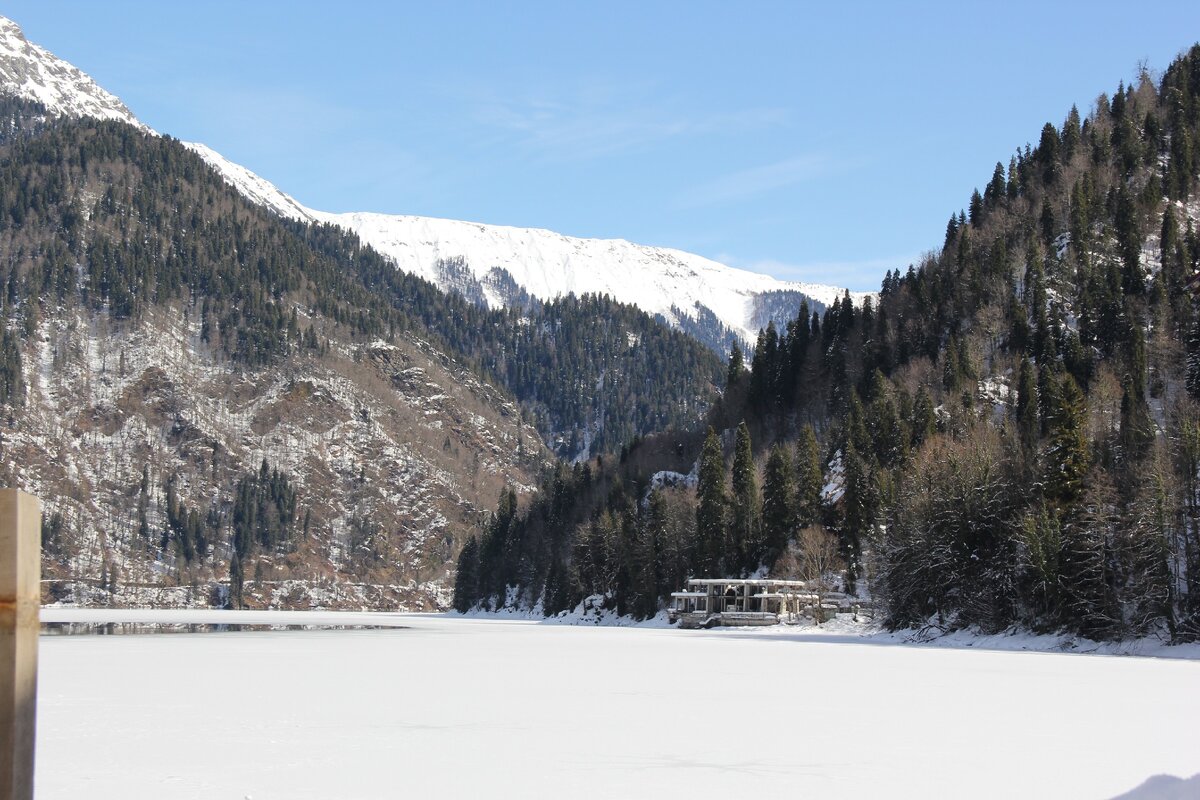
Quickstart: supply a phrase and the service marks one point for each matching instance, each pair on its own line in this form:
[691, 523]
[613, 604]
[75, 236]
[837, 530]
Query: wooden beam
[20, 598]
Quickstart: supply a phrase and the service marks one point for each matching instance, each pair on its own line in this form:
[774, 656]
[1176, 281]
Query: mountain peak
[34, 73]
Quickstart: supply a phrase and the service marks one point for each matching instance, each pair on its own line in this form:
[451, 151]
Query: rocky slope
[34, 73]
[395, 452]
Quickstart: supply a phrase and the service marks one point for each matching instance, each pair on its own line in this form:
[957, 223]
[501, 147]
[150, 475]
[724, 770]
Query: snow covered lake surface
[454, 707]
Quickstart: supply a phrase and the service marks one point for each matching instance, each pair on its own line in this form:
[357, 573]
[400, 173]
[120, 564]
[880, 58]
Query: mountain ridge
[664, 282]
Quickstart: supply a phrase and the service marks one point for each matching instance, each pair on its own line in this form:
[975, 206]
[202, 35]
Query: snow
[33, 73]
[548, 265]
[669, 478]
[466, 707]
[252, 187]
[545, 264]
[835, 480]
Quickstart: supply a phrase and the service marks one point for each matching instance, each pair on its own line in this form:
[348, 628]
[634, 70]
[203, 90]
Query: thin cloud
[754, 181]
[602, 121]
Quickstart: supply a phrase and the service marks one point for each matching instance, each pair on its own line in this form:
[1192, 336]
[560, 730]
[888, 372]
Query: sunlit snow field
[481, 708]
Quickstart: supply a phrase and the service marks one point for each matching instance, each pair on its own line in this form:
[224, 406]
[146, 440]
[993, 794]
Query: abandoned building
[708, 602]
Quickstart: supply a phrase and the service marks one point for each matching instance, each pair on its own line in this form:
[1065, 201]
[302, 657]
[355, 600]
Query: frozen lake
[466, 708]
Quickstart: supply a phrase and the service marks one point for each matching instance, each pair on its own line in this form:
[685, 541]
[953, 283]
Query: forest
[1008, 436]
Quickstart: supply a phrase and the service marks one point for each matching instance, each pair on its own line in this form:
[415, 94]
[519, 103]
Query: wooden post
[20, 598]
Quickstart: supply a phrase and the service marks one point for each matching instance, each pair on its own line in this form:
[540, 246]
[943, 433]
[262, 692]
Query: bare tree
[818, 559]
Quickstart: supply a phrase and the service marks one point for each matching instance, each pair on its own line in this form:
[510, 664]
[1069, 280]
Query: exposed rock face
[395, 453]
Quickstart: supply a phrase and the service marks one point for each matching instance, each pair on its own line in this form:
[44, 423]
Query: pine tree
[1066, 458]
[779, 503]
[855, 425]
[1137, 429]
[952, 377]
[746, 509]
[1049, 391]
[466, 580]
[711, 506]
[997, 188]
[1042, 536]
[888, 437]
[810, 479]
[236, 579]
[737, 367]
[975, 212]
[12, 382]
[1129, 240]
[1026, 408]
[924, 421]
[1089, 602]
[859, 505]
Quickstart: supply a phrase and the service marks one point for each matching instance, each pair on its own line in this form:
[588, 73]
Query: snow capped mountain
[705, 297]
[547, 264]
[659, 280]
[32, 72]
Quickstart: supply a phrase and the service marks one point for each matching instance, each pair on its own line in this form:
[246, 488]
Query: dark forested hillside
[1008, 436]
[107, 217]
[163, 337]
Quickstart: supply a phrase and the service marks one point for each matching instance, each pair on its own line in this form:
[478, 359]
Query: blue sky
[825, 142]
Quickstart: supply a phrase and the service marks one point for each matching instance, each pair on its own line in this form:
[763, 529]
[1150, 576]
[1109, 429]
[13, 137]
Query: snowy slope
[543, 263]
[29, 71]
[548, 264]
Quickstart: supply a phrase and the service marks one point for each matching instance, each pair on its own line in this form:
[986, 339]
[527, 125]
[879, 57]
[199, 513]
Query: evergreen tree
[737, 368]
[779, 503]
[1137, 429]
[855, 425]
[1042, 536]
[1129, 240]
[745, 506]
[466, 580]
[1067, 456]
[236, 580]
[12, 381]
[859, 504]
[711, 509]
[924, 422]
[810, 479]
[1026, 408]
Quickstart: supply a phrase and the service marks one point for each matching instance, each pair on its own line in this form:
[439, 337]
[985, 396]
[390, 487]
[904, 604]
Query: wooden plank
[20, 597]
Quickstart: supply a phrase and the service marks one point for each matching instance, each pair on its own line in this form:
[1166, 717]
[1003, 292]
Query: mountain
[219, 404]
[203, 424]
[1008, 439]
[705, 298]
[682, 288]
